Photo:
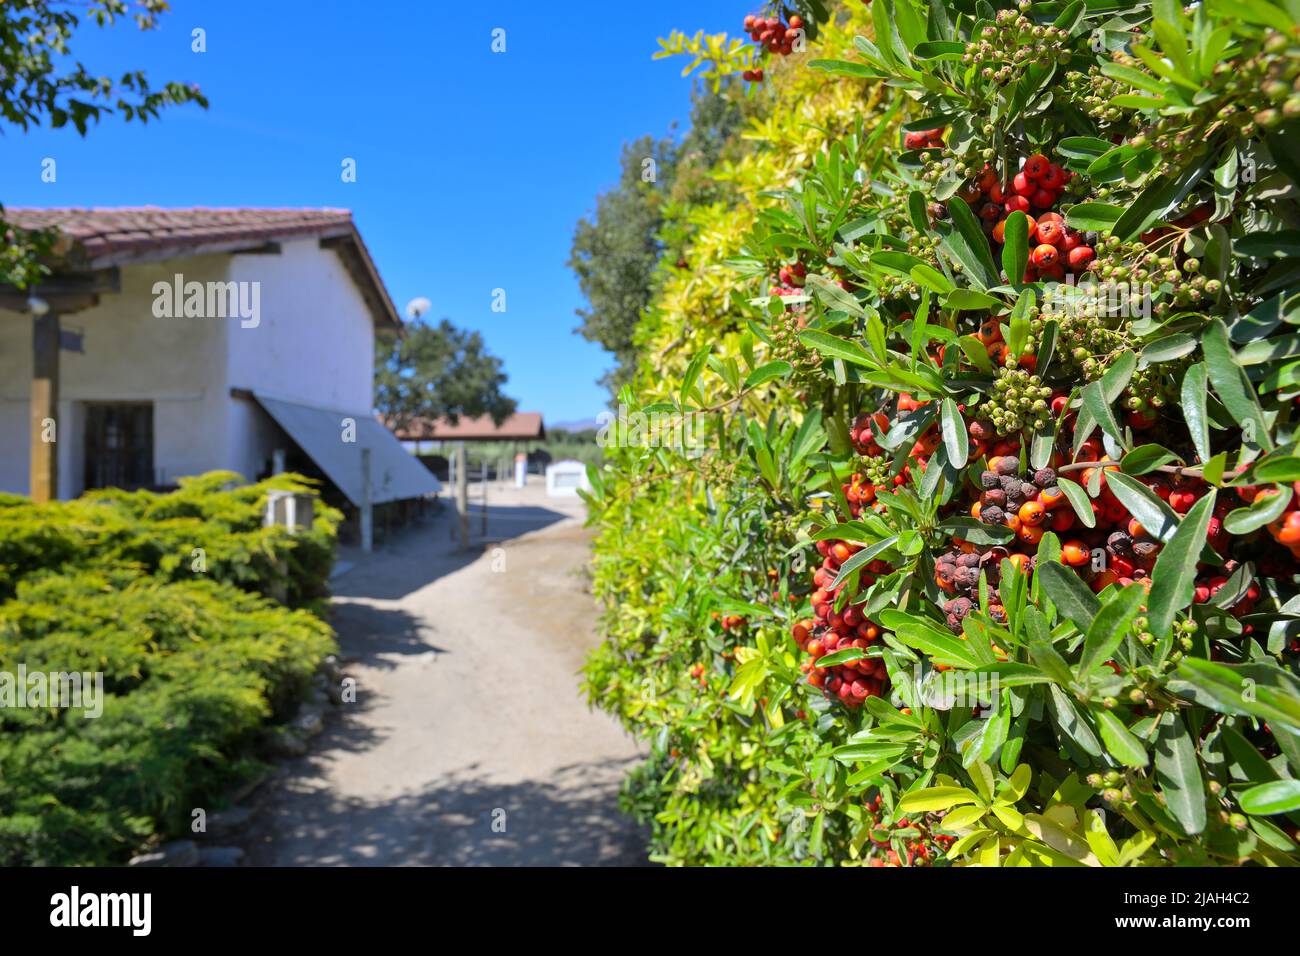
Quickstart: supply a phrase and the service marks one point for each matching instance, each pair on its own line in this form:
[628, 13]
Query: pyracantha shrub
[995, 360]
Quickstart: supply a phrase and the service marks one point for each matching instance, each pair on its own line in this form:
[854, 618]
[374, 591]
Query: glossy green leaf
[1174, 575]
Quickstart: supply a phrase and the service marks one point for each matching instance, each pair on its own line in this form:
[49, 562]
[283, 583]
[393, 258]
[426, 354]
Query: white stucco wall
[130, 355]
[314, 344]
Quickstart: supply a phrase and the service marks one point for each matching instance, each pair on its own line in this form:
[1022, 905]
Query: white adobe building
[171, 342]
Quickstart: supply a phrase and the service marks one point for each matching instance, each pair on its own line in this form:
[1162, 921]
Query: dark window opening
[119, 445]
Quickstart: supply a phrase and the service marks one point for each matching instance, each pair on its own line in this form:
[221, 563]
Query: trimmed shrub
[194, 663]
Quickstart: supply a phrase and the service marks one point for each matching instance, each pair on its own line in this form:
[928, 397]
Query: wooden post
[45, 408]
[462, 494]
[367, 511]
[485, 496]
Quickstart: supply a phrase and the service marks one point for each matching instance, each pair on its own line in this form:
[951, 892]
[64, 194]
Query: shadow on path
[468, 821]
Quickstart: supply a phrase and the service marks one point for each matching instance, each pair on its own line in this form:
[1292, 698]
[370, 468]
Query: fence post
[367, 511]
[462, 494]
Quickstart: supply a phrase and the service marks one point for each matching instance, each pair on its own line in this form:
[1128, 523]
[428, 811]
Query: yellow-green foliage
[706, 787]
[194, 663]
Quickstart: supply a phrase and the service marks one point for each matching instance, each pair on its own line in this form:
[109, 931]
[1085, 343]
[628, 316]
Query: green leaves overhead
[1174, 574]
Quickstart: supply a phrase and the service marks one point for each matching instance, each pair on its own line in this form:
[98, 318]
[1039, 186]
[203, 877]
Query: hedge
[195, 659]
[989, 554]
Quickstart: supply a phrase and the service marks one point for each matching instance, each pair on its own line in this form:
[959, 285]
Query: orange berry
[1290, 533]
[1104, 580]
[1075, 553]
[1032, 514]
[1030, 534]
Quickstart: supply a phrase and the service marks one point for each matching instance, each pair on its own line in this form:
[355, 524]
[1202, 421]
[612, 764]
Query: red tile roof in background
[110, 236]
[109, 232]
[522, 426]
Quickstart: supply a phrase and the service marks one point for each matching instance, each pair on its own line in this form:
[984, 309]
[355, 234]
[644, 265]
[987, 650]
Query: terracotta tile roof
[126, 231]
[522, 426]
[104, 237]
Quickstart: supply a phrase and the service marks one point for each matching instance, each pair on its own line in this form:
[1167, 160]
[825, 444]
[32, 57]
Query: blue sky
[472, 167]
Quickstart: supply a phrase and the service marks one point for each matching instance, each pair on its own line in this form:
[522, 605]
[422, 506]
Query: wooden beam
[45, 408]
[63, 293]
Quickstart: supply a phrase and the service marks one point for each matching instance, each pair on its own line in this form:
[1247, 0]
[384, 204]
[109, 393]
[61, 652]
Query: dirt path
[468, 715]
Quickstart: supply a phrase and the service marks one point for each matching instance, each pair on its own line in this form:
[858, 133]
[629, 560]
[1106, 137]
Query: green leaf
[1093, 216]
[841, 657]
[1237, 689]
[832, 347]
[765, 373]
[833, 297]
[859, 558]
[1151, 511]
[942, 646]
[1100, 410]
[977, 532]
[1084, 147]
[954, 434]
[976, 353]
[1269, 245]
[936, 799]
[930, 277]
[1174, 576]
[1194, 394]
[693, 373]
[1071, 723]
[1169, 347]
[1263, 510]
[1079, 501]
[844, 68]
[1280, 796]
[1145, 458]
[1073, 599]
[1109, 628]
[963, 299]
[1158, 196]
[1231, 384]
[962, 817]
[1178, 773]
[1015, 249]
[1279, 468]
[1123, 746]
[966, 243]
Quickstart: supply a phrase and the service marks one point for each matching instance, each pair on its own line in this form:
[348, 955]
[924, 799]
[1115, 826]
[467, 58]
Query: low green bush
[195, 662]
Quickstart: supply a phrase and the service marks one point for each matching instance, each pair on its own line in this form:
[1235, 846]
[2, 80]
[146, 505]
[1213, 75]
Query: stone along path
[469, 742]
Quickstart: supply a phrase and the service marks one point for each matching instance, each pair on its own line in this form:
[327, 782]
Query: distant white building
[172, 342]
[565, 478]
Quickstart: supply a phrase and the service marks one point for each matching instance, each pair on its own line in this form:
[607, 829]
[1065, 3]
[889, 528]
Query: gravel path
[469, 743]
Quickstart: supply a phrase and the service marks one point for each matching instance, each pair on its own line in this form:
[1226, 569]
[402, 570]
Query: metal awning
[394, 472]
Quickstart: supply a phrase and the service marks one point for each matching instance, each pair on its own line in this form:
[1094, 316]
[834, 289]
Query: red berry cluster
[922, 849]
[830, 631]
[924, 139]
[773, 35]
[790, 278]
[1055, 247]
